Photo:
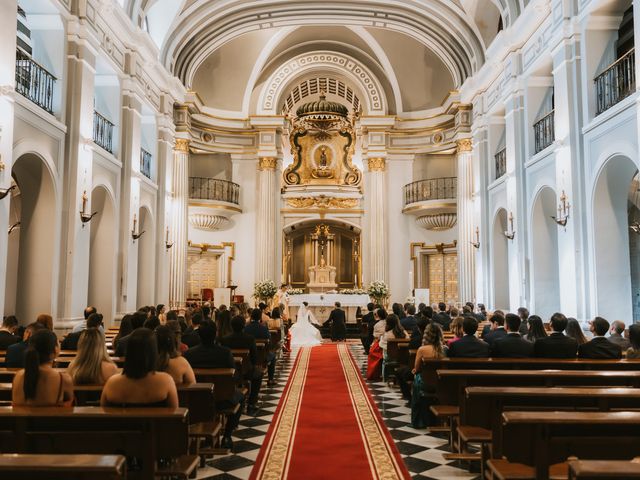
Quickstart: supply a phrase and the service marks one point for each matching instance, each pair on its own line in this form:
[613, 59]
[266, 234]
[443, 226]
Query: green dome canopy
[322, 107]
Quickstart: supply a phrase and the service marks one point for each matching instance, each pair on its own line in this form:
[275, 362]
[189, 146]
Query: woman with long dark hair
[432, 348]
[169, 358]
[536, 328]
[393, 329]
[39, 385]
[574, 330]
[634, 339]
[125, 329]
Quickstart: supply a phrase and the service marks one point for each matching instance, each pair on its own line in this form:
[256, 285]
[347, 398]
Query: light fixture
[13, 227]
[635, 228]
[84, 216]
[5, 191]
[167, 245]
[563, 210]
[134, 231]
[510, 233]
[476, 244]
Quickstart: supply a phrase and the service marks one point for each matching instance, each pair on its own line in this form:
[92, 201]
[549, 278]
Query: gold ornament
[182, 145]
[267, 163]
[322, 202]
[464, 145]
[376, 164]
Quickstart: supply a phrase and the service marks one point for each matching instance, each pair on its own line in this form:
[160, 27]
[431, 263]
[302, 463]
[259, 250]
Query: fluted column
[466, 251]
[376, 206]
[267, 220]
[179, 223]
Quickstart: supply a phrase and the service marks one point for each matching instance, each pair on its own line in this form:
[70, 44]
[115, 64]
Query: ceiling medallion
[438, 222]
[322, 202]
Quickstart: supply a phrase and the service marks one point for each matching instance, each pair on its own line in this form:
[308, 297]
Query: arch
[308, 220]
[102, 254]
[32, 244]
[146, 258]
[611, 279]
[500, 261]
[544, 254]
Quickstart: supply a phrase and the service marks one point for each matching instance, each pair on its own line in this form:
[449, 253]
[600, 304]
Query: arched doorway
[544, 260]
[31, 248]
[146, 264]
[102, 254]
[612, 276]
[500, 261]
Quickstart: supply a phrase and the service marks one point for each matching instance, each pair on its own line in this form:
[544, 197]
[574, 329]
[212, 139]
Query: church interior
[312, 240]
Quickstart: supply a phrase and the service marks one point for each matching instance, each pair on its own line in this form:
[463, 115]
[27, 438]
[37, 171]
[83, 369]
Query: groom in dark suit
[338, 325]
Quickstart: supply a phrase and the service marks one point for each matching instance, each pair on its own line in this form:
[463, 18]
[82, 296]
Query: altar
[321, 305]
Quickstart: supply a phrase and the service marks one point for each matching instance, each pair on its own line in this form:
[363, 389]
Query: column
[179, 224]
[481, 217]
[267, 221]
[376, 200]
[7, 92]
[466, 229]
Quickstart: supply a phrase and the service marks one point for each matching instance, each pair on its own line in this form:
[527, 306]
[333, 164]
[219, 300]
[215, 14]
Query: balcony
[501, 163]
[145, 163]
[103, 132]
[543, 131]
[616, 83]
[433, 202]
[212, 203]
[34, 82]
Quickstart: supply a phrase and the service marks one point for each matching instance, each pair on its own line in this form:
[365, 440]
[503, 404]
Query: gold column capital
[464, 145]
[182, 145]
[267, 163]
[376, 164]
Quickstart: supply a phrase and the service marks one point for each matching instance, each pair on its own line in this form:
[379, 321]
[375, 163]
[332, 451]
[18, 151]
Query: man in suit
[338, 324]
[556, 345]
[615, 335]
[497, 330]
[599, 346]
[369, 320]
[512, 345]
[7, 332]
[469, 346]
[442, 317]
[258, 330]
[137, 321]
[210, 355]
[70, 342]
[523, 313]
[190, 337]
[15, 352]
[409, 322]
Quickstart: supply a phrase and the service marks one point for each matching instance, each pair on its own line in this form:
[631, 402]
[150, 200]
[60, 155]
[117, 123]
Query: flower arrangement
[264, 290]
[353, 291]
[295, 291]
[378, 291]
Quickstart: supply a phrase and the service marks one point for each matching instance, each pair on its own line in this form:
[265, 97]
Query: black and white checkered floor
[422, 453]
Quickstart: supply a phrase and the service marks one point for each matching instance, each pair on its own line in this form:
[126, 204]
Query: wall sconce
[134, 231]
[167, 245]
[84, 216]
[635, 228]
[5, 191]
[563, 210]
[2, 165]
[13, 227]
[510, 233]
[476, 244]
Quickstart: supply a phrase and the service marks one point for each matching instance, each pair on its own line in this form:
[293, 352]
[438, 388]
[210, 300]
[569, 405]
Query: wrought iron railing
[501, 163]
[617, 82]
[431, 189]
[145, 163]
[544, 132]
[103, 132]
[204, 188]
[34, 82]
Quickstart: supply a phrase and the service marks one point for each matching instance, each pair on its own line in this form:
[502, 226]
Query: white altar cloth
[328, 299]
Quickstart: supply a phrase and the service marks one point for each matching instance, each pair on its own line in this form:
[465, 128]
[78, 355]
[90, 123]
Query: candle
[84, 201]
[167, 239]
[289, 279]
[135, 221]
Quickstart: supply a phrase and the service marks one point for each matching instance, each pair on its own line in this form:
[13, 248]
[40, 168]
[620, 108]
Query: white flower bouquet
[353, 291]
[264, 290]
[378, 291]
[295, 291]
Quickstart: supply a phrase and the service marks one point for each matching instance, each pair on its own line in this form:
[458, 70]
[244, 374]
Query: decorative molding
[376, 164]
[464, 145]
[438, 222]
[267, 163]
[204, 221]
[182, 145]
[322, 202]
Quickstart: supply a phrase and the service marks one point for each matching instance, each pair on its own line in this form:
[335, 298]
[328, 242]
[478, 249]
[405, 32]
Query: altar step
[353, 331]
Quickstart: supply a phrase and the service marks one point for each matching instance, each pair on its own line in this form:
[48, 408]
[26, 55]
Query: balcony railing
[145, 163]
[103, 132]
[501, 163]
[34, 82]
[431, 189]
[616, 82]
[203, 188]
[544, 132]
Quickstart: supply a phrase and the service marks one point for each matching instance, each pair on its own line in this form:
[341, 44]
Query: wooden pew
[533, 441]
[604, 469]
[69, 467]
[261, 352]
[145, 433]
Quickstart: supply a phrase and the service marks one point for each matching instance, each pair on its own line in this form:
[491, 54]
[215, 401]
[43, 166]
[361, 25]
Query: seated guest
[210, 355]
[393, 329]
[574, 330]
[177, 330]
[404, 376]
[409, 322]
[432, 347]
[258, 330]
[442, 317]
[15, 352]
[45, 320]
[599, 346]
[82, 324]
[124, 330]
[523, 313]
[512, 345]
[616, 334]
[169, 358]
[139, 384]
[369, 320]
[8, 332]
[243, 341]
[264, 312]
[92, 365]
[137, 321]
[556, 345]
[483, 311]
[469, 346]
[497, 330]
[375, 357]
[223, 322]
[39, 385]
[536, 329]
[456, 329]
[190, 337]
[634, 339]
[151, 322]
[70, 342]
[488, 327]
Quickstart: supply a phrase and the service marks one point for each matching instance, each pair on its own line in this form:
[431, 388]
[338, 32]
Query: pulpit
[322, 278]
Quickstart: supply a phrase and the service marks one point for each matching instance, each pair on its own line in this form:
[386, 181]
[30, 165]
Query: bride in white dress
[303, 333]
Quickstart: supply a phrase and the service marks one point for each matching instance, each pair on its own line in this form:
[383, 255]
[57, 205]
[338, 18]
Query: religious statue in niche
[322, 143]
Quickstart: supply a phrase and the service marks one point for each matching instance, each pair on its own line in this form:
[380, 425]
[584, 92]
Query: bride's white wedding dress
[303, 333]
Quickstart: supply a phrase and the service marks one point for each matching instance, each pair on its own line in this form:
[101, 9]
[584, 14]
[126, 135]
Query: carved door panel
[202, 273]
[441, 271]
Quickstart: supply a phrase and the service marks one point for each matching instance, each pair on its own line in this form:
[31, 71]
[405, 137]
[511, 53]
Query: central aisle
[327, 425]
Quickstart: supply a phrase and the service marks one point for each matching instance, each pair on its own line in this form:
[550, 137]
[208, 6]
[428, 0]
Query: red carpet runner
[327, 426]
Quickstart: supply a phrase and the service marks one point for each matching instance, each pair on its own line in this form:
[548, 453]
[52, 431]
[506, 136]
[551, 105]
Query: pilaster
[466, 253]
[376, 204]
[179, 224]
